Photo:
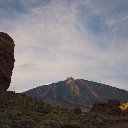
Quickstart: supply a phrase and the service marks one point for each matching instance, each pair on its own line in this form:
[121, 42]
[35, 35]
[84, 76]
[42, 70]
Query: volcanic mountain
[77, 92]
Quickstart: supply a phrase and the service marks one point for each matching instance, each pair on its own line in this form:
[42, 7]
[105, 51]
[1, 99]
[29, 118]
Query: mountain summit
[77, 92]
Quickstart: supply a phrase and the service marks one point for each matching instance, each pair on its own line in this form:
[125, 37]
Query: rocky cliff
[6, 60]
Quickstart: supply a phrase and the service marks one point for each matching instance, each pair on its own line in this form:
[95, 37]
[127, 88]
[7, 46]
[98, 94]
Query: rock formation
[6, 60]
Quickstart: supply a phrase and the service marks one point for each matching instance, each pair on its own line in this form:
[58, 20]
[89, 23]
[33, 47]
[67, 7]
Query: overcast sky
[56, 39]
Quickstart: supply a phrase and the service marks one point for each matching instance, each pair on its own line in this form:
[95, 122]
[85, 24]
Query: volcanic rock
[6, 60]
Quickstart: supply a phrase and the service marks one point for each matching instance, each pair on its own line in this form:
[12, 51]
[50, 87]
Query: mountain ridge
[76, 92]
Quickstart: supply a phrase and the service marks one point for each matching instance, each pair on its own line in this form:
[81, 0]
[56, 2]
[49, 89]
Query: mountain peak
[69, 80]
[76, 92]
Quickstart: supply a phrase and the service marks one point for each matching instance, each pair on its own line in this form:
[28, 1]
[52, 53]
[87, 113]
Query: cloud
[57, 39]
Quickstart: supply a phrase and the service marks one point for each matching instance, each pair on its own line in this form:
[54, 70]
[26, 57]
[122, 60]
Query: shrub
[43, 109]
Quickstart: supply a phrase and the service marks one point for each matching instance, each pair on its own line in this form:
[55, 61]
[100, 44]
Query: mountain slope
[75, 92]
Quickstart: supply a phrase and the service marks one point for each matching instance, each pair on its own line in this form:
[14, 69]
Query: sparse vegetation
[20, 111]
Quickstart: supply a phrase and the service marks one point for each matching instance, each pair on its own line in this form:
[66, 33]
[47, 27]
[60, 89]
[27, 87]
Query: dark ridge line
[75, 80]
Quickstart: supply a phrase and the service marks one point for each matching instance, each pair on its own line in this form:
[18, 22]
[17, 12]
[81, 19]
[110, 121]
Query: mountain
[77, 92]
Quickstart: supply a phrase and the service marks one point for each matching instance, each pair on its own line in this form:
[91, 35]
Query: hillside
[20, 111]
[76, 92]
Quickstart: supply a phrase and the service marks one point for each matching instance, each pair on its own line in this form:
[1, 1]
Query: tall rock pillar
[6, 60]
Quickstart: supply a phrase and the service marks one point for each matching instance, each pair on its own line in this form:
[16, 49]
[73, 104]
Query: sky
[56, 39]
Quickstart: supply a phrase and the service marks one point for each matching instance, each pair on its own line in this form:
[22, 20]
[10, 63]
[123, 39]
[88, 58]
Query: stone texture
[6, 60]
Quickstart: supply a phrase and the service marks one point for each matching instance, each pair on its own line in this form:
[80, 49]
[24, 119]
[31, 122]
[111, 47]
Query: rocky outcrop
[6, 60]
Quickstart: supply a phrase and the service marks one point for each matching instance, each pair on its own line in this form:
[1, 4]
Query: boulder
[6, 60]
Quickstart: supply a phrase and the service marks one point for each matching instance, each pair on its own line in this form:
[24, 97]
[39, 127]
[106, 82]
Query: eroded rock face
[6, 60]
